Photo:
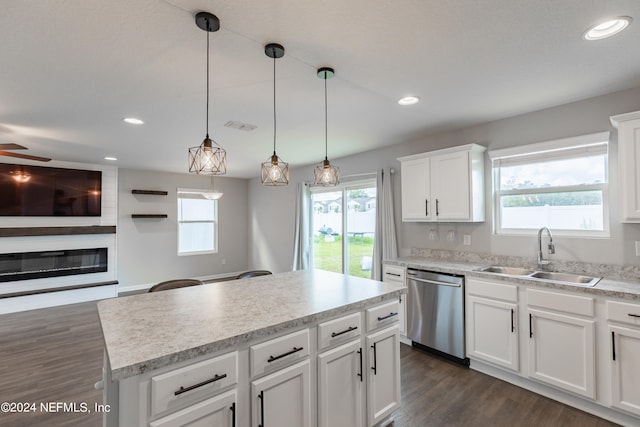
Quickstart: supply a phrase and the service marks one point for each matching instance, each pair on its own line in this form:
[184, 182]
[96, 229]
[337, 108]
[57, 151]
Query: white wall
[147, 248]
[271, 210]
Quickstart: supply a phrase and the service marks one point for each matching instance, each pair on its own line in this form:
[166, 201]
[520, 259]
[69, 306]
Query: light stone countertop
[627, 289]
[153, 330]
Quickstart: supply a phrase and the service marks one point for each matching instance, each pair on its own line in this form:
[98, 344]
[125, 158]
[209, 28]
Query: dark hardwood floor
[55, 355]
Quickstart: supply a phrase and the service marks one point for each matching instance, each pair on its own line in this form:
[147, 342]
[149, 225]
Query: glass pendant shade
[212, 193]
[208, 158]
[275, 171]
[326, 174]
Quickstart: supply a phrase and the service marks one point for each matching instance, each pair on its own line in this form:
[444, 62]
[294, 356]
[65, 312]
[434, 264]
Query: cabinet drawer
[339, 330]
[177, 388]
[500, 291]
[279, 352]
[561, 302]
[393, 273]
[623, 312]
[382, 315]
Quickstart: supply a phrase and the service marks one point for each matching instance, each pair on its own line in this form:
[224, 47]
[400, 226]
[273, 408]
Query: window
[197, 223]
[343, 221]
[562, 185]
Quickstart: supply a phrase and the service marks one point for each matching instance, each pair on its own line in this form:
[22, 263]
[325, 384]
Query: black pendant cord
[208, 80]
[274, 102]
[325, 117]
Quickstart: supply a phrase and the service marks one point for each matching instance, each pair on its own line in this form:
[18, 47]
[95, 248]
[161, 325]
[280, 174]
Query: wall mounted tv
[44, 191]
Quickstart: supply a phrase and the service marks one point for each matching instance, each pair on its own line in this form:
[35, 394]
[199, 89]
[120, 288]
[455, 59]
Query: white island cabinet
[304, 348]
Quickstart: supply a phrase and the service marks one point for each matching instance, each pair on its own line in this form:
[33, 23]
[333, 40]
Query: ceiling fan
[6, 147]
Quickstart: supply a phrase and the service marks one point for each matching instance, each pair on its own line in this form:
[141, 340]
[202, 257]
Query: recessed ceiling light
[607, 28]
[408, 100]
[133, 121]
[110, 158]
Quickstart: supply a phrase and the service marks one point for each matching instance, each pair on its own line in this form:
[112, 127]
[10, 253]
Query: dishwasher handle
[433, 282]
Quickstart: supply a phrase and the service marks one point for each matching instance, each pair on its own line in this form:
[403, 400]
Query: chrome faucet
[542, 263]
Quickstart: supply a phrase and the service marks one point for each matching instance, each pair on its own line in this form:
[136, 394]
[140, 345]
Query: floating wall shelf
[150, 192]
[148, 215]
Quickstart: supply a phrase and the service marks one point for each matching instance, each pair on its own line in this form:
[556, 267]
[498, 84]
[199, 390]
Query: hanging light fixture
[208, 158]
[212, 193]
[274, 171]
[325, 173]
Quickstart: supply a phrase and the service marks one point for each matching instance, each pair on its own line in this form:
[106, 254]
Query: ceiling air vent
[240, 126]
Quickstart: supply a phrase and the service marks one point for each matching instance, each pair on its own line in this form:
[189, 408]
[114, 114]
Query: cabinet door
[625, 375]
[562, 352]
[492, 332]
[282, 398]
[219, 411]
[396, 274]
[383, 361]
[450, 186]
[416, 190]
[628, 165]
[340, 386]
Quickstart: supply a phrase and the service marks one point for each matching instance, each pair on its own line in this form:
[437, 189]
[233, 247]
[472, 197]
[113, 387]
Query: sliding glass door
[343, 225]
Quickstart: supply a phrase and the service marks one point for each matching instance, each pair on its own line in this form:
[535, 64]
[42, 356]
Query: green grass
[328, 255]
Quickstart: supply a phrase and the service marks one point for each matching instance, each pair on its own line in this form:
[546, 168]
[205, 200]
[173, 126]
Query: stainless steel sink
[543, 276]
[509, 271]
[573, 279]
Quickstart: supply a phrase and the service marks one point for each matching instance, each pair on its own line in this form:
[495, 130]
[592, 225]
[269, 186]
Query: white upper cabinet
[444, 185]
[629, 164]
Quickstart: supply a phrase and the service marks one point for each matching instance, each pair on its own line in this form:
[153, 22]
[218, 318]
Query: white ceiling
[71, 70]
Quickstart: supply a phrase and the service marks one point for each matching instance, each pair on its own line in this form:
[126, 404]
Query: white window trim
[556, 149]
[194, 193]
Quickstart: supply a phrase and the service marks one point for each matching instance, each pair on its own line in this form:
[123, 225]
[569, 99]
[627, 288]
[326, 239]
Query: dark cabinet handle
[360, 354]
[192, 387]
[512, 324]
[393, 274]
[261, 397]
[634, 315]
[375, 362]
[613, 345]
[233, 414]
[387, 316]
[530, 328]
[349, 329]
[437, 207]
[288, 353]
[426, 207]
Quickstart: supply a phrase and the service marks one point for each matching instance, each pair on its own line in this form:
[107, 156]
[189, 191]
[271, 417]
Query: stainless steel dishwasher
[436, 312]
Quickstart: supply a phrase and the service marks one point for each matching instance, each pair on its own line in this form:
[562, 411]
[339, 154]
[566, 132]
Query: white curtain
[301, 249]
[385, 245]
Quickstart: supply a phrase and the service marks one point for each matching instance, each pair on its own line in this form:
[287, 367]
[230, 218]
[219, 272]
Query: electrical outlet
[467, 240]
[224, 261]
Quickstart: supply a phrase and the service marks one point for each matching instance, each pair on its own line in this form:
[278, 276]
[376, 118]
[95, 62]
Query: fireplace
[45, 264]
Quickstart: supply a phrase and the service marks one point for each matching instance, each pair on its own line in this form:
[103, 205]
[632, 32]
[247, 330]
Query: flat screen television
[43, 191]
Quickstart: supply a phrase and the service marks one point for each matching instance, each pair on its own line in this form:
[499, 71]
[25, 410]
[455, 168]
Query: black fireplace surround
[46, 264]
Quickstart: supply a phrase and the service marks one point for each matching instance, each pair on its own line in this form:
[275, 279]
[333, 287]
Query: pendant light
[274, 172]
[212, 193]
[208, 158]
[325, 173]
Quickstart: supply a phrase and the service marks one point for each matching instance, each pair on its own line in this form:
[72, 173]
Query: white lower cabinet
[562, 351]
[492, 333]
[282, 398]
[396, 274]
[341, 386]
[219, 411]
[383, 379]
[625, 354]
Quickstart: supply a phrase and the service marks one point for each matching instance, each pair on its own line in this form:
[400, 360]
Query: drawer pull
[381, 318]
[288, 353]
[393, 274]
[349, 329]
[192, 387]
[634, 315]
[613, 345]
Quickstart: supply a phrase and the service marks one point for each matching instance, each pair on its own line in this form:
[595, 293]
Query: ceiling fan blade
[24, 156]
[11, 146]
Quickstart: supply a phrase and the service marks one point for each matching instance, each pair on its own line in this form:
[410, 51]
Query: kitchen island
[297, 348]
